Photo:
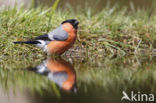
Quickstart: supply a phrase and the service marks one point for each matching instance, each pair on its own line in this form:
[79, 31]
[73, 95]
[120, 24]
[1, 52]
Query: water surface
[76, 80]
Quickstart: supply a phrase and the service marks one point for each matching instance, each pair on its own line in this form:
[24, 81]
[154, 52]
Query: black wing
[43, 37]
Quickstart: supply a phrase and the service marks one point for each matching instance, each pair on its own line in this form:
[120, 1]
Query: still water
[78, 80]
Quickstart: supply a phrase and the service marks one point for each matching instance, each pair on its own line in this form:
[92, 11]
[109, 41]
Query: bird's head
[73, 22]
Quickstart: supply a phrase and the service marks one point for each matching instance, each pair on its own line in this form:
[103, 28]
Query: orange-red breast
[58, 71]
[57, 41]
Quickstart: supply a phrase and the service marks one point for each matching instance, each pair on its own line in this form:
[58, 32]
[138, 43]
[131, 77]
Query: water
[75, 80]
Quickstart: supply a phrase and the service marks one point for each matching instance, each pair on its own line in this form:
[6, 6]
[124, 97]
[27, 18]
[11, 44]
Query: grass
[108, 32]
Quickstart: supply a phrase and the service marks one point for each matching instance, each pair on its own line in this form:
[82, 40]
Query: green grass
[111, 31]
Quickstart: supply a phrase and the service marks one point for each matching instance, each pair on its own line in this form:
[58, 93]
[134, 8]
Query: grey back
[58, 34]
[58, 77]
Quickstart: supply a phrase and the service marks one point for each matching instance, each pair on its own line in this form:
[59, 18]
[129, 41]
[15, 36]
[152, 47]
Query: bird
[58, 40]
[58, 71]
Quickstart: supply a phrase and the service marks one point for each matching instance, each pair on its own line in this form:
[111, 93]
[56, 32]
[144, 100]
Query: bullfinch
[57, 41]
[58, 71]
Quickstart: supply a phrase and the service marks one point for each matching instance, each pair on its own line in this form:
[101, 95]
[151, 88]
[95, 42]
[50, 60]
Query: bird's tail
[26, 42]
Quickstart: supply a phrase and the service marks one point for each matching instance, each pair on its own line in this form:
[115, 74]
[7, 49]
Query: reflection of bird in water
[58, 71]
